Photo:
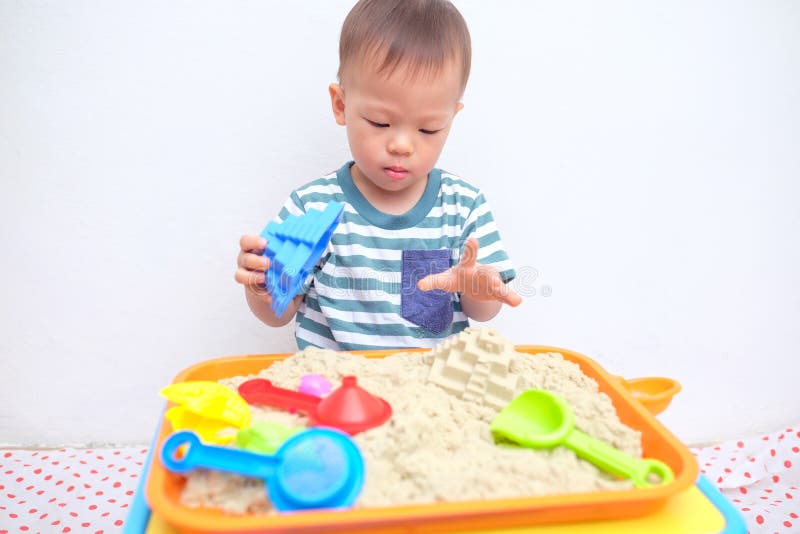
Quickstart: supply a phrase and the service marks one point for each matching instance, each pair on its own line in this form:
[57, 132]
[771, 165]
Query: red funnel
[350, 407]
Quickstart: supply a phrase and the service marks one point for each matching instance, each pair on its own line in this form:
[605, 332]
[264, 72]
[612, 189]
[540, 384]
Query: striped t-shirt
[354, 297]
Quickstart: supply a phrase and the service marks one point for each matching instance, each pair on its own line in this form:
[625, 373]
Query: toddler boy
[394, 274]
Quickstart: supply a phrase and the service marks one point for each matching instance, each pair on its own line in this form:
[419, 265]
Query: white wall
[642, 156]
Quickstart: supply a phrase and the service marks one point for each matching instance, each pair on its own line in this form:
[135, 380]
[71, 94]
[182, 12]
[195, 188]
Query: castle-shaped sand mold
[474, 365]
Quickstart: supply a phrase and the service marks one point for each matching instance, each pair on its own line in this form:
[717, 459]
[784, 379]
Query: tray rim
[439, 516]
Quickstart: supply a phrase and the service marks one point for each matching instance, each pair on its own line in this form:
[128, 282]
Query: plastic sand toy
[317, 468]
[206, 407]
[293, 248]
[316, 385]
[264, 436]
[350, 407]
[654, 392]
[540, 419]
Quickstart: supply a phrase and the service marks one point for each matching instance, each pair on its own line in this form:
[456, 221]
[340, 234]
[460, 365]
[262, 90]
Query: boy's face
[396, 126]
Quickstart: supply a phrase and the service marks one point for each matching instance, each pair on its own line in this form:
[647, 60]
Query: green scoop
[540, 419]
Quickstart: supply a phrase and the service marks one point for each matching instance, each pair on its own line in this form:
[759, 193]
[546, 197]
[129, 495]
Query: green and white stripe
[353, 297]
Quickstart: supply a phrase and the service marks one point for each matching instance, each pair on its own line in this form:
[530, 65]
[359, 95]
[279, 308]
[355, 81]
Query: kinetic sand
[437, 445]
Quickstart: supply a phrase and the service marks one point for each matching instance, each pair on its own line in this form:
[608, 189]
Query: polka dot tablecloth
[90, 490]
[67, 490]
[761, 478]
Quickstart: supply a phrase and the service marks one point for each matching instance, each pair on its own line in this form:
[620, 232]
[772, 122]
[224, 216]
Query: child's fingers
[444, 281]
[252, 243]
[249, 278]
[470, 254]
[506, 295]
[253, 262]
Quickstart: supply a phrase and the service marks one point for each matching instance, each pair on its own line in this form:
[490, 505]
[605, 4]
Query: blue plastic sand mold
[316, 468]
[293, 248]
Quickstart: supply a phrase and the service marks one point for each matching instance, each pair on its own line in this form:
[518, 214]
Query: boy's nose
[400, 145]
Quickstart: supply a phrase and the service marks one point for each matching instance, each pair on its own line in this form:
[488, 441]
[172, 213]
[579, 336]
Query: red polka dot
[74, 514]
[747, 475]
[795, 449]
[765, 438]
[772, 452]
[85, 525]
[7, 455]
[13, 515]
[129, 492]
[37, 471]
[767, 490]
[780, 437]
[745, 509]
[793, 515]
[25, 528]
[760, 519]
[787, 464]
[56, 522]
[727, 470]
[788, 495]
[787, 524]
[32, 511]
[117, 484]
[66, 529]
[43, 516]
[70, 488]
[118, 523]
[39, 492]
[98, 493]
[54, 462]
[740, 444]
[743, 490]
[775, 478]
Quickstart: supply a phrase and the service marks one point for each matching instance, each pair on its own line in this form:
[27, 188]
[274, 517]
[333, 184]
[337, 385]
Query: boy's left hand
[472, 279]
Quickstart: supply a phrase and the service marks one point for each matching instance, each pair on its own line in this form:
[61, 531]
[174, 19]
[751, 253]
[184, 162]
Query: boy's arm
[260, 306]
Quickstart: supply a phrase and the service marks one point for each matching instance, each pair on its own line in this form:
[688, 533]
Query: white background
[642, 157]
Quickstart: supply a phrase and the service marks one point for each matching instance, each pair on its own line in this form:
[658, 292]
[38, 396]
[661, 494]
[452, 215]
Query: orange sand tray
[164, 488]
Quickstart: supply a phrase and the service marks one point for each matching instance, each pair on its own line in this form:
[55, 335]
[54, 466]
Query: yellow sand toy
[208, 408]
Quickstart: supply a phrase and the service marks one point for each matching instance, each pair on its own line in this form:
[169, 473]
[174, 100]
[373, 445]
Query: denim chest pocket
[432, 310]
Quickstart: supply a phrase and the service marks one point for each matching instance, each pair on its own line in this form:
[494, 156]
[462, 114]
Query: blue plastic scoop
[317, 468]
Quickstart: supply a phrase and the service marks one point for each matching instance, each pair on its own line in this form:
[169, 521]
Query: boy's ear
[337, 102]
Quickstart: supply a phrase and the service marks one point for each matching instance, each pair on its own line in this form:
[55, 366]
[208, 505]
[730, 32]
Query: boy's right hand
[252, 266]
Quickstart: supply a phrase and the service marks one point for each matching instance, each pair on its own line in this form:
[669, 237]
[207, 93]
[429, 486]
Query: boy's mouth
[395, 173]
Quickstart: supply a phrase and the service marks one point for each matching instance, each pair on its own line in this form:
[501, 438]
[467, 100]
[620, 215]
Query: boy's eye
[429, 132]
[378, 124]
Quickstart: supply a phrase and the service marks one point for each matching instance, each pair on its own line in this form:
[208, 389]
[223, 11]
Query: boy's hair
[420, 35]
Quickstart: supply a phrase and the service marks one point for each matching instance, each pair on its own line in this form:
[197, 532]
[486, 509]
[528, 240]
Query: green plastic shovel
[540, 419]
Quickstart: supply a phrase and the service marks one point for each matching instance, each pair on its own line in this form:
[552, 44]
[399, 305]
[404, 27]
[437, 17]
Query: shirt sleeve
[481, 225]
